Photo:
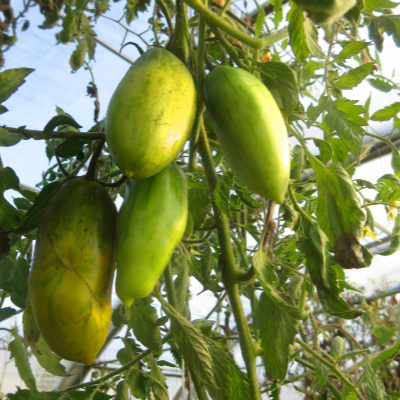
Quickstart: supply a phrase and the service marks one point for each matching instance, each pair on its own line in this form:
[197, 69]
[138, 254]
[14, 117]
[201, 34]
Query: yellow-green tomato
[150, 224]
[151, 114]
[250, 129]
[71, 279]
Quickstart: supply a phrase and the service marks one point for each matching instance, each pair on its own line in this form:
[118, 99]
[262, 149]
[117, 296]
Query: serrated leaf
[47, 359]
[372, 384]
[383, 84]
[14, 279]
[8, 179]
[70, 147]
[143, 321]
[232, 383]
[24, 394]
[350, 49]
[133, 7]
[260, 21]
[323, 276]
[159, 385]
[7, 312]
[78, 55]
[58, 120]
[395, 238]
[281, 81]
[270, 319]
[297, 35]
[194, 348]
[354, 77]
[261, 264]
[386, 113]
[339, 212]
[20, 356]
[389, 24]
[8, 138]
[385, 356]
[11, 80]
[34, 215]
[372, 5]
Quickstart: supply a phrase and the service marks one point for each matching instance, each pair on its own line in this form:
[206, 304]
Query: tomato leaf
[20, 356]
[11, 80]
[355, 76]
[270, 319]
[143, 321]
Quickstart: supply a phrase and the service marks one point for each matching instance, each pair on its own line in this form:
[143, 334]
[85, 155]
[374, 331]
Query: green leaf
[7, 312]
[372, 384]
[9, 216]
[58, 120]
[395, 239]
[338, 347]
[350, 49]
[199, 203]
[8, 179]
[322, 274]
[8, 138]
[138, 383]
[270, 319]
[297, 36]
[159, 385]
[70, 147]
[385, 356]
[302, 35]
[260, 21]
[181, 283]
[262, 265]
[389, 24]
[69, 25]
[339, 212]
[133, 7]
[14, 279]
[383, 84]
[386, 113]
[281, 81]
[47, 359]
[11, 80]
[194, 348]
[354, 77]
[34, 215]
[232, 383]
[78, 55]
[143, 321]
[23, 394]
[372, 5]
[20, 356]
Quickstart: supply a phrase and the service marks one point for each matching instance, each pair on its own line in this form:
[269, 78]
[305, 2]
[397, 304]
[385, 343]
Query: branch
[39, 135]
[218, 22]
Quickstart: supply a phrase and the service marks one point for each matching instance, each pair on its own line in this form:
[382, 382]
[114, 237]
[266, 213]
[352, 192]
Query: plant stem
[230, 271]
[218, 22]
[331, 366]
[39, 135]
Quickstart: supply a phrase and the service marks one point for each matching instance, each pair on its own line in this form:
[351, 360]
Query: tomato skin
[250, 129]
[71, 279]
[150, 224]
[151, 114]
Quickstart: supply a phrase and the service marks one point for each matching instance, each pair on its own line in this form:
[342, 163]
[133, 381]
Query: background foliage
[288, 260]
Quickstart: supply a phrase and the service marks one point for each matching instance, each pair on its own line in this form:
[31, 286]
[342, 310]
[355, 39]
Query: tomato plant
[262, 212]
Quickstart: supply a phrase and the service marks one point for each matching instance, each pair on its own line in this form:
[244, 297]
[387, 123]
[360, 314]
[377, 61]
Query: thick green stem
[218, 22]
[230, 271]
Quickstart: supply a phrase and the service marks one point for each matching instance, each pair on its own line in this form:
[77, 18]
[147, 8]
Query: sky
[52, 84]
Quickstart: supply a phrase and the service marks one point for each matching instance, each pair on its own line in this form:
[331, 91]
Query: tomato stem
[219, 22]
[230, 271]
